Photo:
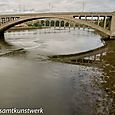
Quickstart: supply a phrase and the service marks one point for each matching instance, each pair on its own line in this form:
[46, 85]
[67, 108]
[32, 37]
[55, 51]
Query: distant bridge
[103, 22]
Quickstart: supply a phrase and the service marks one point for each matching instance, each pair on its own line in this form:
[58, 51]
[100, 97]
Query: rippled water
[30, 80]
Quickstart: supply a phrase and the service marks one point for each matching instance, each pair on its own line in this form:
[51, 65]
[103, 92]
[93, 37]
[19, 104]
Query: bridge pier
[59, 24]
[69, 26]
[74, 26]
[1, 35]
[49, 24]
[98, 20]
[112, 36]
[54, 24]
[64, 25]
[105, 22]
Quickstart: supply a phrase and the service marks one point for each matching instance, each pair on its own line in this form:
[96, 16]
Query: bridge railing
[4, 20]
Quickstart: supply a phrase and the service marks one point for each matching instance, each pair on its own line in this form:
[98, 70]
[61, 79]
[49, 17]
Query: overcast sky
[16, 6]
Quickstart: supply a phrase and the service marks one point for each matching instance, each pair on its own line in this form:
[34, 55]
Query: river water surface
[30, 80]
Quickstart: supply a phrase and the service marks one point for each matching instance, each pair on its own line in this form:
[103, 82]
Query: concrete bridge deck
[10, 20]
[61, 13]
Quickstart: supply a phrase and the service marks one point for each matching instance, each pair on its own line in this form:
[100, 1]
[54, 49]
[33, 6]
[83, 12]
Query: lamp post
[49, 6]
[83, 6]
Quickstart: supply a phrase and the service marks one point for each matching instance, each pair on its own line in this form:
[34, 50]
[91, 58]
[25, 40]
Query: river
[30, 80]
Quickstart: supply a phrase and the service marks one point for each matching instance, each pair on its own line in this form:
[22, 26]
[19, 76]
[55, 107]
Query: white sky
[16, 6]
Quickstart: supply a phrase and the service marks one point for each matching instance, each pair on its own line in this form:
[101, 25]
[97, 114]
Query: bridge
[102, 22]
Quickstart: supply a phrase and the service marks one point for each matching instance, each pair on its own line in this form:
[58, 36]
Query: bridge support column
[80, 17]
[85, 18]
[74, 26]
[101, 56]
[2, 20]
[54, 24]
[112, 27]
[49, 24]
[94, 58]
[1, 35]
[105, 22]
[98, 20]
[45, 23]
[78, 26]
[59, 24]
[92, 19]
[64, 25]
[69, 26]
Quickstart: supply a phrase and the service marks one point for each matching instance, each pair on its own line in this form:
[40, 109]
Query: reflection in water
[84, 58]
[32, 81]
[7, 49]
[104, 58]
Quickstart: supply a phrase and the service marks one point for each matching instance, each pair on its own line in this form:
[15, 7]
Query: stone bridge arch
[10, 24]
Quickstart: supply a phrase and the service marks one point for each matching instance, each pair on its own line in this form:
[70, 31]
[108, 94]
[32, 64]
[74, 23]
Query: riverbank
[25, 28]
[89, 87]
